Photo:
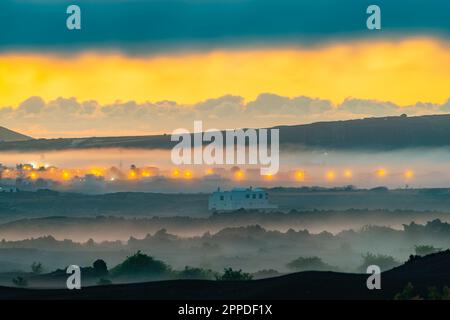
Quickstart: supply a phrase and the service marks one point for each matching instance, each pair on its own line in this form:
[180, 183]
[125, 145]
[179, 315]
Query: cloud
[274, 105]
[68, 117]
[368, 107]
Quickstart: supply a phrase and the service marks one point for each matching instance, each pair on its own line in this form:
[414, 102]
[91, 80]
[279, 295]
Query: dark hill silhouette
[422, 272]
[371, 133]
[7, 135]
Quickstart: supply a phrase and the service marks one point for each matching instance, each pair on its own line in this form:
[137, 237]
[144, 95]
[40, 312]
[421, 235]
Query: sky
[146, 66]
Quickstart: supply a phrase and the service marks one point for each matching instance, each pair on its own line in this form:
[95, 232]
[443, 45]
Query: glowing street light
[330, 175]
[348, 174]
[299, 175]
[381, 172]
[188, 174]
[175, 173]
[409, 174]
[65, 175]
[239, 174]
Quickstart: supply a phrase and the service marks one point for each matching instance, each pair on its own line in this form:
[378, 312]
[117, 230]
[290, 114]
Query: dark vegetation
[241, 253]
[419, 278]
[309, 264]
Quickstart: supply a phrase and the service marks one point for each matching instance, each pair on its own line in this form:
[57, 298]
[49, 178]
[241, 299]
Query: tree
[309, 263]
[423, 250]
[234, 275]
[196, 273]
[141, 264]
[433, 294]
[266, 273]
[407, 293]
[100, 267]
[20, 281]
[104, 282]
[36, 267]
[385, 262]
[446, 293]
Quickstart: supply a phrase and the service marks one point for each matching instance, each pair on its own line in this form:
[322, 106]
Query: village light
[381, 172]
[96, 172]
[66, 175]
[188, 174]
[146, 174]
[409, 174]
[331, 175]
[175, 173]
[132, 175]
[300, 175]
[348, 174]
[239, 174]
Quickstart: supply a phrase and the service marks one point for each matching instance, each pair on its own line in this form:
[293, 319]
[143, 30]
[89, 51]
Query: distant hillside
[422, 273]
[46, 203]
[7, 135]
[371, 133]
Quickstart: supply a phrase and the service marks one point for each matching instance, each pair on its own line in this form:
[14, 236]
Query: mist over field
[415, 168]
[251, 247]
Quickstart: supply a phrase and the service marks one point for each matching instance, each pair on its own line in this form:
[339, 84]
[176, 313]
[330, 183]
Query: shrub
[423, 250]
[385, 262]
[20, 281]
[309, 263]
[407, 293]
[104, 282]
[141, 264]
[36, 267]
[100, 267]
[234, 275]
[266, 273]
[196, 273]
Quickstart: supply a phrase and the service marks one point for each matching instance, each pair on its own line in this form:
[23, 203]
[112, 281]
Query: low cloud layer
[71, 118]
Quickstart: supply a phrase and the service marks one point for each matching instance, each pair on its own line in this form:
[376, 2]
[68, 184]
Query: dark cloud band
[154, 25]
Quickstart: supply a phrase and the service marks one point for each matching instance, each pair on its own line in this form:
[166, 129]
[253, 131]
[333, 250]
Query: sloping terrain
[7, 135]
[432, 270]
[387, 133]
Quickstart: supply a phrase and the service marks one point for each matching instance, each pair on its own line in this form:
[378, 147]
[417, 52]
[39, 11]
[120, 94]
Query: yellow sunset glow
[400, 71]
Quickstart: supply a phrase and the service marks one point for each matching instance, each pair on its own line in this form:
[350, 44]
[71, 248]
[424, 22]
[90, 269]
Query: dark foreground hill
[422, 273]
[387, 133]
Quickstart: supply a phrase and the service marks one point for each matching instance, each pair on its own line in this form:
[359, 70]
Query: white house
[240, 198]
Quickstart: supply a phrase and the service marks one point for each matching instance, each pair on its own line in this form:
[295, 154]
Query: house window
[260, 195]
[221, 198]
[254, 196]
[247, 196]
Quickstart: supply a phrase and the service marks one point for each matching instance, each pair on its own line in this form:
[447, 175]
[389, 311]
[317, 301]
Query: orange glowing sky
[401, 71]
